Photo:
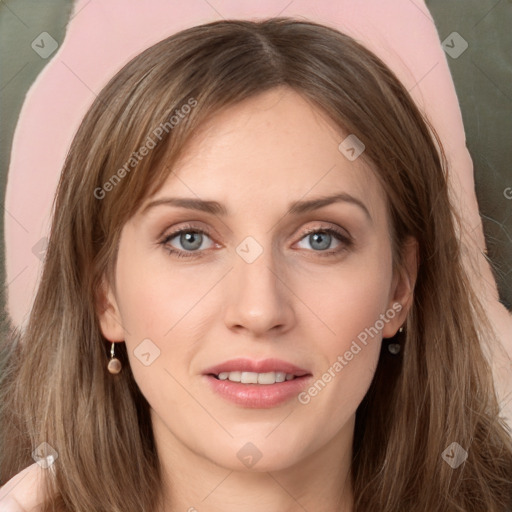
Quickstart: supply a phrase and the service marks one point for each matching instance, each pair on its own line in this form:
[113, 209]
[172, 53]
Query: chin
[251, 455]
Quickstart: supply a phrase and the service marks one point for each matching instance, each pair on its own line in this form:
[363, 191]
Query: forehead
[273, 148]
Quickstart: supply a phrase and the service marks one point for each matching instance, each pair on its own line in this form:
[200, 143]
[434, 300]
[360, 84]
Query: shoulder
[24, 491]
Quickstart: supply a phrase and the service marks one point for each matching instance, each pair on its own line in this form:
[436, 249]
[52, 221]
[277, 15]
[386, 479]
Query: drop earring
[114, 365]
[394, 348]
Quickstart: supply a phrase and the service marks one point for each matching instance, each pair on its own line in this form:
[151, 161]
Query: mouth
[257, 384]
[250, 371]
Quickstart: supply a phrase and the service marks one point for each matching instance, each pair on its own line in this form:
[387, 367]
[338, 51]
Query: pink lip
[257, 396]
[248, 365]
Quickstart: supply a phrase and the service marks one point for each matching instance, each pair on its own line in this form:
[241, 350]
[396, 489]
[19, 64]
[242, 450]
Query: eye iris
[315, 236]
[191, 237]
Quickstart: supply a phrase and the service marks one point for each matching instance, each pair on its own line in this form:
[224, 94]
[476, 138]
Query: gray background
[482, 76]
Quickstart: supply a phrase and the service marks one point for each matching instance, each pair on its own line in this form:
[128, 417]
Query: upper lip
[242, 364]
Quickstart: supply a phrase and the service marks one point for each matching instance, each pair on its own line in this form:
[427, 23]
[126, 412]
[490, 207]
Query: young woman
[253, 296]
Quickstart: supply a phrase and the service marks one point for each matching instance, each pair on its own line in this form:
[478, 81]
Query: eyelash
[346, 240]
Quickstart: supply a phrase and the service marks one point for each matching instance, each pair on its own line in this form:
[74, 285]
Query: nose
[259, 297]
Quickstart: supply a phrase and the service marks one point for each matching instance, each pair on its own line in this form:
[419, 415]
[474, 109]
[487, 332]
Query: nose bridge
[258, 300]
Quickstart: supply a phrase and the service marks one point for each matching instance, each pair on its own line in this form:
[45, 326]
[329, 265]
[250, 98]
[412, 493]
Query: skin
[24, 491]
[290, 303]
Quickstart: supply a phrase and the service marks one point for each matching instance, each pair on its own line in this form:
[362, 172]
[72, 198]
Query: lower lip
[258, 396]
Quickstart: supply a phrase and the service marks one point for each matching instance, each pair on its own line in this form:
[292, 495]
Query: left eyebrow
[295, 208]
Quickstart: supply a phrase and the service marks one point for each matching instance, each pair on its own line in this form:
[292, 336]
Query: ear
[108, 313]
[402, 290]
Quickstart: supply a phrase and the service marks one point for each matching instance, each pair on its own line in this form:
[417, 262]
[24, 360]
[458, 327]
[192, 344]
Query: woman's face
[257, 286]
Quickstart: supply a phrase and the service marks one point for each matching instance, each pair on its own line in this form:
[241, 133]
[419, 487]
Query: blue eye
[324, 237]
[191, 239]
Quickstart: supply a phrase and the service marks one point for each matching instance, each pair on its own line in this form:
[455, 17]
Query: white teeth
[256, 378]
[233, 376]
[281, 377]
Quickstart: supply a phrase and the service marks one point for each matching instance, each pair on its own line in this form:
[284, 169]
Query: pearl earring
[114, 365]
[394, 348]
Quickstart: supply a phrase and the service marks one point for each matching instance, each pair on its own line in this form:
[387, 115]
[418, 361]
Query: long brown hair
[55, 386]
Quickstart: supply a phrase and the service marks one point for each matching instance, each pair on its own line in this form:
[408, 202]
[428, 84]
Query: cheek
[347, 298]
[350, 305]
[157, 308]
[348, 351]
[331, 402]
[156, 295]
[162, 312]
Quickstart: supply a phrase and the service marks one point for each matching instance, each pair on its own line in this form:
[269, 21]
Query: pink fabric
[103, 35]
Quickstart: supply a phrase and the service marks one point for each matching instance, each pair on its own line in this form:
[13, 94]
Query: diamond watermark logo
[146, 352]
[44, 45]
[454, 455]
[39, 248]
[249, 455]
[351, 147]
[454, 45]
[45, 455]
[249, 249]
